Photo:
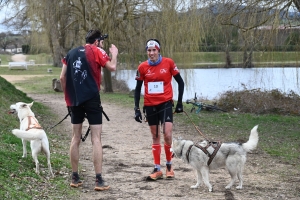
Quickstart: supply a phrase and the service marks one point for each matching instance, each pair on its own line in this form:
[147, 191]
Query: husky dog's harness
[215, 145]
[33, 124]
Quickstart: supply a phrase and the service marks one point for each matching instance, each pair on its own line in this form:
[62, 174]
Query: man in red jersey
[81, 78]
[157, 73]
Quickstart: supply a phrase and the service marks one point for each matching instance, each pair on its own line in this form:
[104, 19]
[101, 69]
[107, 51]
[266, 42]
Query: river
[211, 83]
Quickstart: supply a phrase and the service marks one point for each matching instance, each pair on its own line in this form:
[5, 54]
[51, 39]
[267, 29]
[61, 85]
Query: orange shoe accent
[170, 172]
[76, 184]
[155, 175]
[75, 180]
[101, 187]
[101, 184]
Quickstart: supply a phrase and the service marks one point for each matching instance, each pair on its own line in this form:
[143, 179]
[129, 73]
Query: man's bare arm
[63, 76]
[112, 65]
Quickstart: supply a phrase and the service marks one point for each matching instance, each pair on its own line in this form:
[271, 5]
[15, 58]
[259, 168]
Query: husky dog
[207, 156]
[30, 130]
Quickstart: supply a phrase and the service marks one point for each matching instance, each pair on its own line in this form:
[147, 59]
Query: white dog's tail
[26, 135]
[253, 140]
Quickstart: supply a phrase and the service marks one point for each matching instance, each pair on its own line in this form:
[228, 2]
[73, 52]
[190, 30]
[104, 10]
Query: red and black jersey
[83, 76]
[157, 81]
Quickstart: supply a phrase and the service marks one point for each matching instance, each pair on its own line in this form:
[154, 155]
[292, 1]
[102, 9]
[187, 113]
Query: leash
[215, 145]
[61, 120]
[88, 130]
[195, 126]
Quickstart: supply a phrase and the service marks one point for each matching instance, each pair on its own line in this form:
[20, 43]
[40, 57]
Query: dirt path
[128, 159]
[18, 58]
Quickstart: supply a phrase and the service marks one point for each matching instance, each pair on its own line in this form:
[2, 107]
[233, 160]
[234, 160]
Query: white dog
[207, 156]
[30, 130]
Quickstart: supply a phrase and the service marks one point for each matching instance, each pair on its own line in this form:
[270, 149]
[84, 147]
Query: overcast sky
[4, 12]
[2, 28]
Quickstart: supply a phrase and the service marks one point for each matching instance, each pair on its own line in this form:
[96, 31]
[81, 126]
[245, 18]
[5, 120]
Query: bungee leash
[88, 130]
[194, 125]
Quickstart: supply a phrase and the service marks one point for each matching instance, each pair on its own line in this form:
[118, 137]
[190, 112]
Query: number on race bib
[156, 87]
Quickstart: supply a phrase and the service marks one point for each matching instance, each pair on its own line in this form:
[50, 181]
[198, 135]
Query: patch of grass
[5, 58]
[41, 58]
[279, 134]
[17, 176]
[32, 70]
[38, 85]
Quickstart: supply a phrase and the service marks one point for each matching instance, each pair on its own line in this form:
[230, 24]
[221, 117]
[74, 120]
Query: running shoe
[75, 181]
[169, 171]
[155, 175]
[101, 184]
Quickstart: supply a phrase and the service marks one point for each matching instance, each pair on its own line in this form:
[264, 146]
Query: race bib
[156, 87]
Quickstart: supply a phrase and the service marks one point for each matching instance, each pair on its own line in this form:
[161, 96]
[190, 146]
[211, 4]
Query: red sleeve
[102, 57]
[174, 69]
[139, 73]
[64, 61]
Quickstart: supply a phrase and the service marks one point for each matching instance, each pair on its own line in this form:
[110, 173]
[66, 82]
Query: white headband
[154, 44]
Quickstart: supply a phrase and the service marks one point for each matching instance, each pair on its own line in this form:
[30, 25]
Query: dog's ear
[30, 104]
[13, 107]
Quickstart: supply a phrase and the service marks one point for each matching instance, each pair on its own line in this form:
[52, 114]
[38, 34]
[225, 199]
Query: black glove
[179, 108]
[138, 115]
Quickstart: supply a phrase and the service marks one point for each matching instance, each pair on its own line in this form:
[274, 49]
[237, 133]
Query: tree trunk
[227, 57]
[107, 80]
[247, 59]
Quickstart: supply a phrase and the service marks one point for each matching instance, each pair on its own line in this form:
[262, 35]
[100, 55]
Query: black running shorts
[90, 109]
[160, 113]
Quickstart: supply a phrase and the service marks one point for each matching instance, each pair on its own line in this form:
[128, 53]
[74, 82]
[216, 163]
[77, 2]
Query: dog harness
[33, 124]
[215, 145]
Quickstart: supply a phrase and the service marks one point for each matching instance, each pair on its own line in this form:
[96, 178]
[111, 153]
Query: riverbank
[192, 60]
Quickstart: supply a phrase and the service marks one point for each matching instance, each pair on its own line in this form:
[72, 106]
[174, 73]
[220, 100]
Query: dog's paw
[228, 187]
[239, 187]
[210, 189]
[195, 186]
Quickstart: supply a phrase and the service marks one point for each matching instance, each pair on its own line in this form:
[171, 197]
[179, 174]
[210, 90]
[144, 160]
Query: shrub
[261, 102]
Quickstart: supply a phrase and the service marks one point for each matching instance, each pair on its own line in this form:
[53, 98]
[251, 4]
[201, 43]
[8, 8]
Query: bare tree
[248, 16]
[182, 26]
[5, 40]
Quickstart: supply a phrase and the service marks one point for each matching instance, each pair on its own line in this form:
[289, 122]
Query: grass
[38, 58]
[279, 136]
[5, 58]
[17, 177]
